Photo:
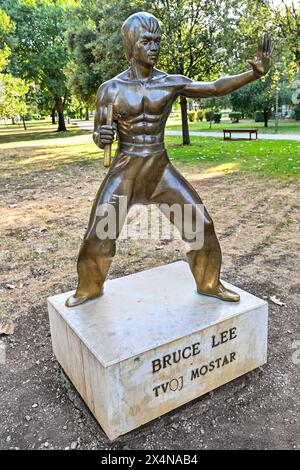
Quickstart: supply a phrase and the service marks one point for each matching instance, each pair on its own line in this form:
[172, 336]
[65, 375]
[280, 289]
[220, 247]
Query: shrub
[208, 115]
[199, 116]
[73, 114]
[217, 117]
[235, 117]
[192, 116]
[259, 116]
[297, 114]
[28, 116]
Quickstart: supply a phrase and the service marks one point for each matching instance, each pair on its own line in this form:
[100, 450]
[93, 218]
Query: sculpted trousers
[145, 180]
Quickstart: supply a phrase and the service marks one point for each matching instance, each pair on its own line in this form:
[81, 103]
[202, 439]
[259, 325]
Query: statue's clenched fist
[104, 135]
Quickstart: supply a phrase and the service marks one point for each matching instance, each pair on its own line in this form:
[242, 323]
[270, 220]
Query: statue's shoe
[222, 293]
[74, 301]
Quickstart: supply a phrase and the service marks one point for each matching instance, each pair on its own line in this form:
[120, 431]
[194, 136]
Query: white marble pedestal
[151, 344]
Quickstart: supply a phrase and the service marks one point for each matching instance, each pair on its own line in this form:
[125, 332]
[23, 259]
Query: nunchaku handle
[107, 147]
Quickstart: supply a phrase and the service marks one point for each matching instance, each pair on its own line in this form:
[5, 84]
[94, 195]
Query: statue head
[141, 35]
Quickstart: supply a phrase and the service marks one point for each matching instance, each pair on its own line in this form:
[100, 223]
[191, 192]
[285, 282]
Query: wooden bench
[228, 132]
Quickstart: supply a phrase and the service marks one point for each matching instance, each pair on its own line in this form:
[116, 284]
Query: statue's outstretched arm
[225, 85]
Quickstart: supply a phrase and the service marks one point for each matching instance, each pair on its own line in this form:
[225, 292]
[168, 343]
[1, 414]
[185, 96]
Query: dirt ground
[43, 217]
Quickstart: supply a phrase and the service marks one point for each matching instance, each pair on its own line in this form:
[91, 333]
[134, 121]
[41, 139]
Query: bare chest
[142, 98]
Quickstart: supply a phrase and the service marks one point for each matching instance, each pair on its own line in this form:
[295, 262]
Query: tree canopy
[64, 49]
[39, 51]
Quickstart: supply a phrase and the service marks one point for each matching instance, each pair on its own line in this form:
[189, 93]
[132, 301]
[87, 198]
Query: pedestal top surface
[160, 302]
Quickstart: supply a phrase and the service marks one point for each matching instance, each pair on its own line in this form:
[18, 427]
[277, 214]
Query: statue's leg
[99, 244]
[196, 228]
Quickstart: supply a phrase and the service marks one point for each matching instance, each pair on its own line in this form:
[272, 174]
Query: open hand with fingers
[265, 48]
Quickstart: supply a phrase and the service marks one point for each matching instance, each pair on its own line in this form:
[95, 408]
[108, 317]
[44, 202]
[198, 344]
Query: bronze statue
[142, 98]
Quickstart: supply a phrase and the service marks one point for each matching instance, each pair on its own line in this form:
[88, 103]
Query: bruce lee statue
[142, 98]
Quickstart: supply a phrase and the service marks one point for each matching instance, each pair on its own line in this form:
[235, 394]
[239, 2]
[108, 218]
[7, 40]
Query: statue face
[147, 47]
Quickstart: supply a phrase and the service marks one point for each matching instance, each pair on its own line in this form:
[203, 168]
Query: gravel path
[257, 221]
[88, 125]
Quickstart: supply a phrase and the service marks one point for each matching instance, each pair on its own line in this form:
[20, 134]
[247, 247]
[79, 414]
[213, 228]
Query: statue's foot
[74, 301]
[221, 293]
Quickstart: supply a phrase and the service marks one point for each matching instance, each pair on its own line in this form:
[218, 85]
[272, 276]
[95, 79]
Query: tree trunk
[81, 114]
[87, 117]
[23, 119]
[184, 120]
[60, 112]
[53, 115]
[266, 117]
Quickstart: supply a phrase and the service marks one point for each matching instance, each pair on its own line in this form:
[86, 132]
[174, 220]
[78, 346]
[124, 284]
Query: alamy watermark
[296, 94]
[2, 91]
[296, 353]
[151, 222]
[2, 353]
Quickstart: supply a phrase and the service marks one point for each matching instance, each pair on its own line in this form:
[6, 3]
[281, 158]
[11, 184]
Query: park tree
[13, 96]
[280, 19]
[193, 43]
[272, 17]
[192, 40]
[286, 18]
[95, 43]
[6, 30]
[40, 101]
[75, 107]
[99, 45]
[83, 80]
[264, 96]
[39, 51]
[239, 101]
[258, 17]
[12, 90]
[261, 95]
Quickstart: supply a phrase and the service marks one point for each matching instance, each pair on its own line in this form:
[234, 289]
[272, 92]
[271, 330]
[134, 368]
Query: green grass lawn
[276, 158]
[207, 155]
[287, 126]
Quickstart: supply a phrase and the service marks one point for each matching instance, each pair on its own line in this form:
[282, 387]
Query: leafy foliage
[39, 50]
[6, 29]
[69, 47]
[12, 100]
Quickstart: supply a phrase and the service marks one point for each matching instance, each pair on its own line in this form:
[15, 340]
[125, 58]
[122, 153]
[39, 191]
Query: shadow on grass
[38, 134]
[49, 158]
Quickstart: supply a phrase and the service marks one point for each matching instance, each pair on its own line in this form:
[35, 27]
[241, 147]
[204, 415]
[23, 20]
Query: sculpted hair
[132, 27]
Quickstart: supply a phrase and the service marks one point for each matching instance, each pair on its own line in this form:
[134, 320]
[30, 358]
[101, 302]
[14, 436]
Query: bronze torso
[141, 107]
